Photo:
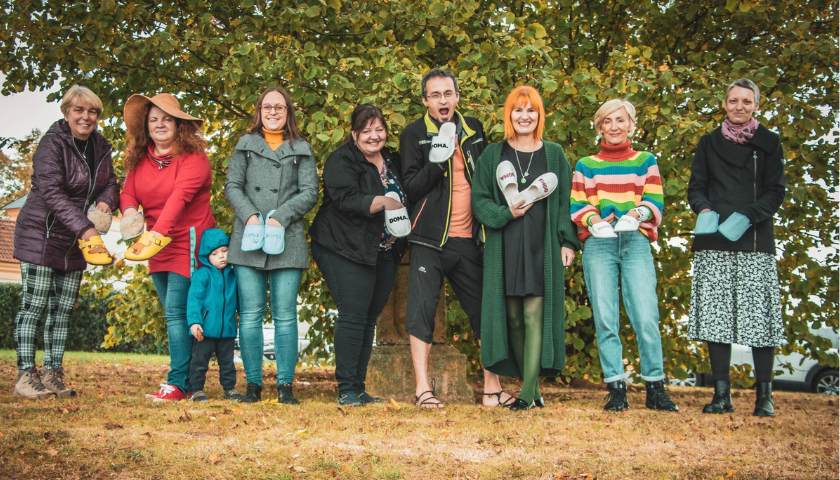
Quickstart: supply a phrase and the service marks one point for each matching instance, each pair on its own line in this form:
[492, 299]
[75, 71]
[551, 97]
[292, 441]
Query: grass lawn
[111, 431]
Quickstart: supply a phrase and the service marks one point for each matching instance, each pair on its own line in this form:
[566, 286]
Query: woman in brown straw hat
[169, 177]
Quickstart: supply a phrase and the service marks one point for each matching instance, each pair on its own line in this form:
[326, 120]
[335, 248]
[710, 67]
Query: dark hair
[187, 139]
[290, 131]
[437, 73]
[362, 115]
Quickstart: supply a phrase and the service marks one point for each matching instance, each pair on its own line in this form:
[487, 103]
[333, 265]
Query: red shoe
[170, 393]
[151, 396]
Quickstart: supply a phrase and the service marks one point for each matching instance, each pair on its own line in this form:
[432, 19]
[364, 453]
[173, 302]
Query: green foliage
[672, 60]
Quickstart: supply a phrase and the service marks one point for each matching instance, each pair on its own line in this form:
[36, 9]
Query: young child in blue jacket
[211, 314]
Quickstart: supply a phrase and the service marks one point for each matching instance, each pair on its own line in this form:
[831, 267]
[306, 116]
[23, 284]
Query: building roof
[7, 241]
[15, 203]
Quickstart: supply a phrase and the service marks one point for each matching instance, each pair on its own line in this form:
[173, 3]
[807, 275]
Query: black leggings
[360, 292]
[720, 355]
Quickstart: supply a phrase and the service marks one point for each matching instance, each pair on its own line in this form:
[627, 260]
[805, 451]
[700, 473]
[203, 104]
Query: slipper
[146, 247]
[541, 188]
[443, 145]
[396, 221]
[101, 220]
[275, 238]
[253, 236]
[506, 176]
[132, 226]
[95, 252]
[602, 230]
[627, 224]
[498, 396]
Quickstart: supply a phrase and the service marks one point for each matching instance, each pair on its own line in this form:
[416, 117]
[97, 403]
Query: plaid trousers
[47, 291]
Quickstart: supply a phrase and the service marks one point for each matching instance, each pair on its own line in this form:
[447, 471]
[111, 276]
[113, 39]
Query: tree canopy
[672, 59]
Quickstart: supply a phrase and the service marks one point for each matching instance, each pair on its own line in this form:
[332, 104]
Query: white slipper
[443, 145]
[506, 176]
[627, 224]
[396, 221]
[602, 230]
[541, 188]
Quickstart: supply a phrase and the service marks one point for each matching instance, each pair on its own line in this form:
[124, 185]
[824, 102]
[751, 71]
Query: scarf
[616, 153]
[740, 134]
[161, 160]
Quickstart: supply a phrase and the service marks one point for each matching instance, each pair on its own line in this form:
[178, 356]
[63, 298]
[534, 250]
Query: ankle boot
[657, 398]
[764, 400]
[253, 393]
[722, 400]
[617, 397]
[284, 394]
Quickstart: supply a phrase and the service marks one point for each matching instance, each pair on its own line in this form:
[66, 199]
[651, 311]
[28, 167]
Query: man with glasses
[446, 240]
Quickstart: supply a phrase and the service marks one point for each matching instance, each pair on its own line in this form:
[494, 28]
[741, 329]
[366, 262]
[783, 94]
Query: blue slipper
[275, 238]
[253, 236]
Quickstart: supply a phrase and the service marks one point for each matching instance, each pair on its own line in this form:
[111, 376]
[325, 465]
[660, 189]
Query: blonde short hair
[78, 94]
[609, 107]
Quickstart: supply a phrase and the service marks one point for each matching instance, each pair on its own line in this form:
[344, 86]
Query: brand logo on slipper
[439, 145]
[397, 219]
[545, 187]
[507, 175]
[250, 235]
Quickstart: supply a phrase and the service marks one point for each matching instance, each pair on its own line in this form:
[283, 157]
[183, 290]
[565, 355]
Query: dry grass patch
[111, 431]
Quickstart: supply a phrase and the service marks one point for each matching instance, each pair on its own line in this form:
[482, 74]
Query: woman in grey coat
[271, 183]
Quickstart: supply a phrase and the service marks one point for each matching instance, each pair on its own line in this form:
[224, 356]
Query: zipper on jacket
[755, 196]
[224, 302]
[451, 172]
[48, 224]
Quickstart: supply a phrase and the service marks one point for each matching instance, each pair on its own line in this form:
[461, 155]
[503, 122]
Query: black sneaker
[284, 394]
[349, 399]
[519, 405]
[658, 399]
[199, 396]
[617, 397]
[365, 398]
[253, 393]
[233, 395]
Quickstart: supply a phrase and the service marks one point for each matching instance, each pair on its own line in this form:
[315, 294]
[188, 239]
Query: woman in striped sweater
[616, 202]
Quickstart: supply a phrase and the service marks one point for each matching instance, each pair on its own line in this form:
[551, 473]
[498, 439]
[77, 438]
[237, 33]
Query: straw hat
[134, 112]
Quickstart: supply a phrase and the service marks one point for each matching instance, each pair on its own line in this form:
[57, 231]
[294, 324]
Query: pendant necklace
[524, 172]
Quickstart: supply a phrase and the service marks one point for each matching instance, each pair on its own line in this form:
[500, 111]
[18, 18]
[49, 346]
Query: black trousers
[360, 293]
[201, 353]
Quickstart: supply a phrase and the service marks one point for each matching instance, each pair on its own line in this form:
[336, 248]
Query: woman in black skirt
[737, 185]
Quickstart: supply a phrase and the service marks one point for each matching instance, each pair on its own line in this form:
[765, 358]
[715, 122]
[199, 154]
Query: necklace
[83, 150]
[524, 172]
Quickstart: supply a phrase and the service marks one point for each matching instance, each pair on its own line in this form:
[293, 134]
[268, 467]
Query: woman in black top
[737, 185]
[356, 254]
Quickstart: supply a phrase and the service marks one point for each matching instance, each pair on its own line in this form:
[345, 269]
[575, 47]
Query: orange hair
[519, 97]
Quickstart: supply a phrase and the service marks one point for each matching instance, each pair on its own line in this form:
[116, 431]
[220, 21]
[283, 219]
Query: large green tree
[673, 59]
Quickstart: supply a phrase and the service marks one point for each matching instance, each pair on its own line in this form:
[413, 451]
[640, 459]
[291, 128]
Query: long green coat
[490, 208]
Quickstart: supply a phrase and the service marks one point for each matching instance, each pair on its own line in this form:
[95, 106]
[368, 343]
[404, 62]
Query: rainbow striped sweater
[612, 183]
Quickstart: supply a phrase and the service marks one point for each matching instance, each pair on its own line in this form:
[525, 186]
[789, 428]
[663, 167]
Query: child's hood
[211, 239]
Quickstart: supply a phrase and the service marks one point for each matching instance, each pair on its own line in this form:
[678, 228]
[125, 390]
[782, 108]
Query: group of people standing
[501, 221]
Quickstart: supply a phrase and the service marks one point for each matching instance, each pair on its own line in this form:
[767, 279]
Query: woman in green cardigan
[530, 238]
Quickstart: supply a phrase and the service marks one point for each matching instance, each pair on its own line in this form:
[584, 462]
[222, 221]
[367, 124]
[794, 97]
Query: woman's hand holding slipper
[275, 236]
[396, 220]
[602, 230]
[253, 235]
[627, 223]
[443, 145]
[132, 224]
[541, 188]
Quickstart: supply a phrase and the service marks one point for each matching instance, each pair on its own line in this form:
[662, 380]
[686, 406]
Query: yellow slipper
[146, 247]
[95, 252]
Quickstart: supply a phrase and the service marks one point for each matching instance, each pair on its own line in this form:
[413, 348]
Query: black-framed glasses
[436, 96]
[279, 107]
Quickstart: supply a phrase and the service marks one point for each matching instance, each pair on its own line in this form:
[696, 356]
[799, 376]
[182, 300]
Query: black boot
[764, 399]
[617, 397]
[253, 393]
[658, 399]
[722, 400]
[284, 394]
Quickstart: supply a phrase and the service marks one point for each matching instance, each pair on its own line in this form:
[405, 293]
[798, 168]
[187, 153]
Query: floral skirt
[735, 298]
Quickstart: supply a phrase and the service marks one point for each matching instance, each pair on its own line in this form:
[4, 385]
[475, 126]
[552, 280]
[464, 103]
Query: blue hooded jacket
[213, 297]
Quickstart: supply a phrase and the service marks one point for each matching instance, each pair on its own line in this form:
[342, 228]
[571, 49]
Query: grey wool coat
[260, 180]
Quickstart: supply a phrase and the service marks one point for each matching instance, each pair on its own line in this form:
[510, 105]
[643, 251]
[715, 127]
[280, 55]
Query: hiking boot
[657, 397]
[170, 393]
[29, 385]
[366, 398]
[284, 394]
[199, 396]
[349, 399]
[617, 397]
[253, 393]
[722, 399]
[233, 395]
[54, 381]
[764, 400]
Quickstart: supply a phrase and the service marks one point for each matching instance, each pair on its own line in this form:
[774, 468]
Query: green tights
[525, 331]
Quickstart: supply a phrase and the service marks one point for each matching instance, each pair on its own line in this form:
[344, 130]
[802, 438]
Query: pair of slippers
[396, 221]
[542, 186]
[270, 238]
[605, 230]
[443, 145]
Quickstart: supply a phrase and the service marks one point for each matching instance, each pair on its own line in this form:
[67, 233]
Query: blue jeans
[253, 289]
[172, 289]
[629, 256]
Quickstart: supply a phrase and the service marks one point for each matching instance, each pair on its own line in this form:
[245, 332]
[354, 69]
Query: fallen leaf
[52, 453]
[214, 459]
[394, 405]
[678, 438]
[345, 469]
[112, 426]
[730, 474]
[297, 468]
[223, 417]
[238, 411]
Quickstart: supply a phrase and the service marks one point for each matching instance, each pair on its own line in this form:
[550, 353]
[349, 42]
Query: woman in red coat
[169, 178]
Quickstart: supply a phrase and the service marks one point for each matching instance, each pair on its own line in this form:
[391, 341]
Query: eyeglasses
[436, 96]
[279, 107]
